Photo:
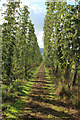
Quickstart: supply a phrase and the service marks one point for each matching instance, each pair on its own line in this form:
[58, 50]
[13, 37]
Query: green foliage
[20, 48]
[14, 94]
[61, 34]
[20, 54]
[62, 42]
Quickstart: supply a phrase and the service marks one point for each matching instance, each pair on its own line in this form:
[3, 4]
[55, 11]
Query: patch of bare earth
[39, 106]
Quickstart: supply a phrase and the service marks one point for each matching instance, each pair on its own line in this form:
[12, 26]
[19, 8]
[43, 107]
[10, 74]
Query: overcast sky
[37, 10]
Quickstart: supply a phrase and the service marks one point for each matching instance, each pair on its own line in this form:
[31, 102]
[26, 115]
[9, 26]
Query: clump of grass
[11, 109]
[13, 94]
[63, 91]
[75, 97]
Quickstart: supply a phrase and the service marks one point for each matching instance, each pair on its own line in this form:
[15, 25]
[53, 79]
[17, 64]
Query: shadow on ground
[39, 106]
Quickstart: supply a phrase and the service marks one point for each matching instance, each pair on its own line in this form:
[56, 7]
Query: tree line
[20, 50]
[62, 41]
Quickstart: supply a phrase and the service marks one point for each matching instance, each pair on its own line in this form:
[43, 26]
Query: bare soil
[39, 105]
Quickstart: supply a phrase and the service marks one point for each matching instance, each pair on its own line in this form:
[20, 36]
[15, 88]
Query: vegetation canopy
[41, 83]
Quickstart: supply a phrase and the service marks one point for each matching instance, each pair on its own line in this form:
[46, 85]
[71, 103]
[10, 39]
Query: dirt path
[40, 106]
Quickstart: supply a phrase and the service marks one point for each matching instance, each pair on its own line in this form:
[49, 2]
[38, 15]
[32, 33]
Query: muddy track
[38, 106]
